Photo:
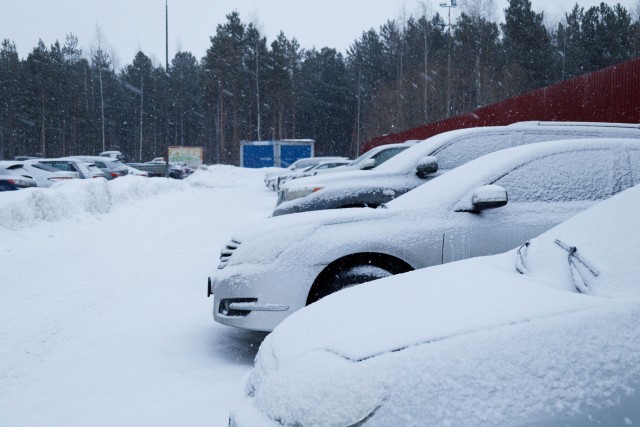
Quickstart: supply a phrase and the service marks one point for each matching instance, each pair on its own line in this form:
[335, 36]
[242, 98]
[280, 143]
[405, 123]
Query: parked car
[114, 155]
[10, 180]
[271, 177]
[321, 168]
[136, 172]
[543, 335]
[429, 159]
[281, 264]
[82, 169]
[369, 160]
[111, 167]
[44, 175]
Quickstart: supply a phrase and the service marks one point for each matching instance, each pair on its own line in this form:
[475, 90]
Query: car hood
[457, 344]
[431, 305]
[348, 176]
[313, 220]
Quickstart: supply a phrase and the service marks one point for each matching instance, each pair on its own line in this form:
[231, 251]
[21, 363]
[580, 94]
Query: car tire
[352, 276]
[358, 274]
[353, 270]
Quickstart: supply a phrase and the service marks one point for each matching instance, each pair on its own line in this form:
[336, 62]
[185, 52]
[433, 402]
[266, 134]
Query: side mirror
[426, 166]
[369, 164]
[489, 197]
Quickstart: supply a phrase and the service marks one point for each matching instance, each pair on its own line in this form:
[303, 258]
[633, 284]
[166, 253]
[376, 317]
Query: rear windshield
[44, 167]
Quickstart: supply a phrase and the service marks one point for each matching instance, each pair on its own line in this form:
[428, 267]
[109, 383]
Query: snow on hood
[313, 220]
[331, 179]
[77, 198]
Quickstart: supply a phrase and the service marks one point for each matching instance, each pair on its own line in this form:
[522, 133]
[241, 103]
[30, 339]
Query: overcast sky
[131, 25]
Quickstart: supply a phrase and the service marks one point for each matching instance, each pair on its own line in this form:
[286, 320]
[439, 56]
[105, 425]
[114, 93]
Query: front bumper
[258, 300]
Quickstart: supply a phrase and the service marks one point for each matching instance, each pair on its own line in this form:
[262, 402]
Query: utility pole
[451, 4]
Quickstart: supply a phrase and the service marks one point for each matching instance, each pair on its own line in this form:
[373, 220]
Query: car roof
[491, 166]
[407, 159]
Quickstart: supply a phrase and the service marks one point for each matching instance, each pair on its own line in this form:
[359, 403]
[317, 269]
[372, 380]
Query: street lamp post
[450, 5]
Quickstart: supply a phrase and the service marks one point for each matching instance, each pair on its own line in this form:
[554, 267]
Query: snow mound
[217, 176]
[78, 197]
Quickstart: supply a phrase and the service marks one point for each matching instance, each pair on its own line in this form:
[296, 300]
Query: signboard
[280, 153]
[192, 156]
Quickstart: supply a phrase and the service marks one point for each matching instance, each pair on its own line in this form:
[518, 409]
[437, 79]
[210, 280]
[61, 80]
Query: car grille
[227, 251]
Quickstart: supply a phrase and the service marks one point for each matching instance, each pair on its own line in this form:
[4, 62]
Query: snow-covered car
[543, 335]
[271, 177]
[429, 159]
[82, 169]
[369, 160]
[114, 155]
[136, 172]
[44, 175]
[11, 180]
[281, 264]
[321, 168]
[111, 167]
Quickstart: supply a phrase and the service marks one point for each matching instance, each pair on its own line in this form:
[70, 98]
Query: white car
[44, 175]
[82, 169]
[136, 172]
[11, 180]
[327, 166]
[369, 160]
[272, 176]
[415, 166]
[281, 264]
[543, 335]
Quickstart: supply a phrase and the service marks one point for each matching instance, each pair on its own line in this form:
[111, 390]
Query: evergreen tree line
[410, 72]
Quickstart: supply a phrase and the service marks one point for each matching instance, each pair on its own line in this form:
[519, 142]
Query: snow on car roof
[406, 160]
[491, 166]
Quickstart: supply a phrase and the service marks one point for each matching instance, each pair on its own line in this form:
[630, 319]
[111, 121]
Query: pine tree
[527, 46]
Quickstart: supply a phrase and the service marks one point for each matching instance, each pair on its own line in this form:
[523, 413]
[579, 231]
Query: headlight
[298, 192]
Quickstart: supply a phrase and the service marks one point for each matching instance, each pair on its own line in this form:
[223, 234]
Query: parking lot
[103, 306]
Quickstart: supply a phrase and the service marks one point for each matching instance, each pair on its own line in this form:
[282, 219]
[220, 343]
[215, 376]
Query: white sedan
[543, 335]
[281, 264]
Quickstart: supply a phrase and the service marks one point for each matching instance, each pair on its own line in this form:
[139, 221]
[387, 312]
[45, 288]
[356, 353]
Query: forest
[62, 101]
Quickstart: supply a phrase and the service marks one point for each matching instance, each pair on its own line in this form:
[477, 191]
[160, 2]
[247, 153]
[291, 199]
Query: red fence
[608, 95]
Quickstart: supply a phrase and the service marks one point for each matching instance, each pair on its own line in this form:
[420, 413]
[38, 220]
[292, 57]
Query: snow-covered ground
[104, 318]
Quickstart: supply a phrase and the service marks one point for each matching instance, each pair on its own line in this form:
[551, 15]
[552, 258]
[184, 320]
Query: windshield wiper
[574, 258]
[521, 254]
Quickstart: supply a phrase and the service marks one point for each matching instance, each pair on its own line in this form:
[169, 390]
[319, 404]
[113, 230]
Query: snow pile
[75, 198]
[218, 176]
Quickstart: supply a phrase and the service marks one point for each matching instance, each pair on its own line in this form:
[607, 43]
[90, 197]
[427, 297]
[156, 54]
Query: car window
[63, 166]
[570, 176]
[385, 155]
[101, 165]
[44, 167]
[470, 147]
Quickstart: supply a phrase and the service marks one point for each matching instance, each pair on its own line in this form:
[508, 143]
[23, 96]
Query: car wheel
[353, 270]
[356, 275]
